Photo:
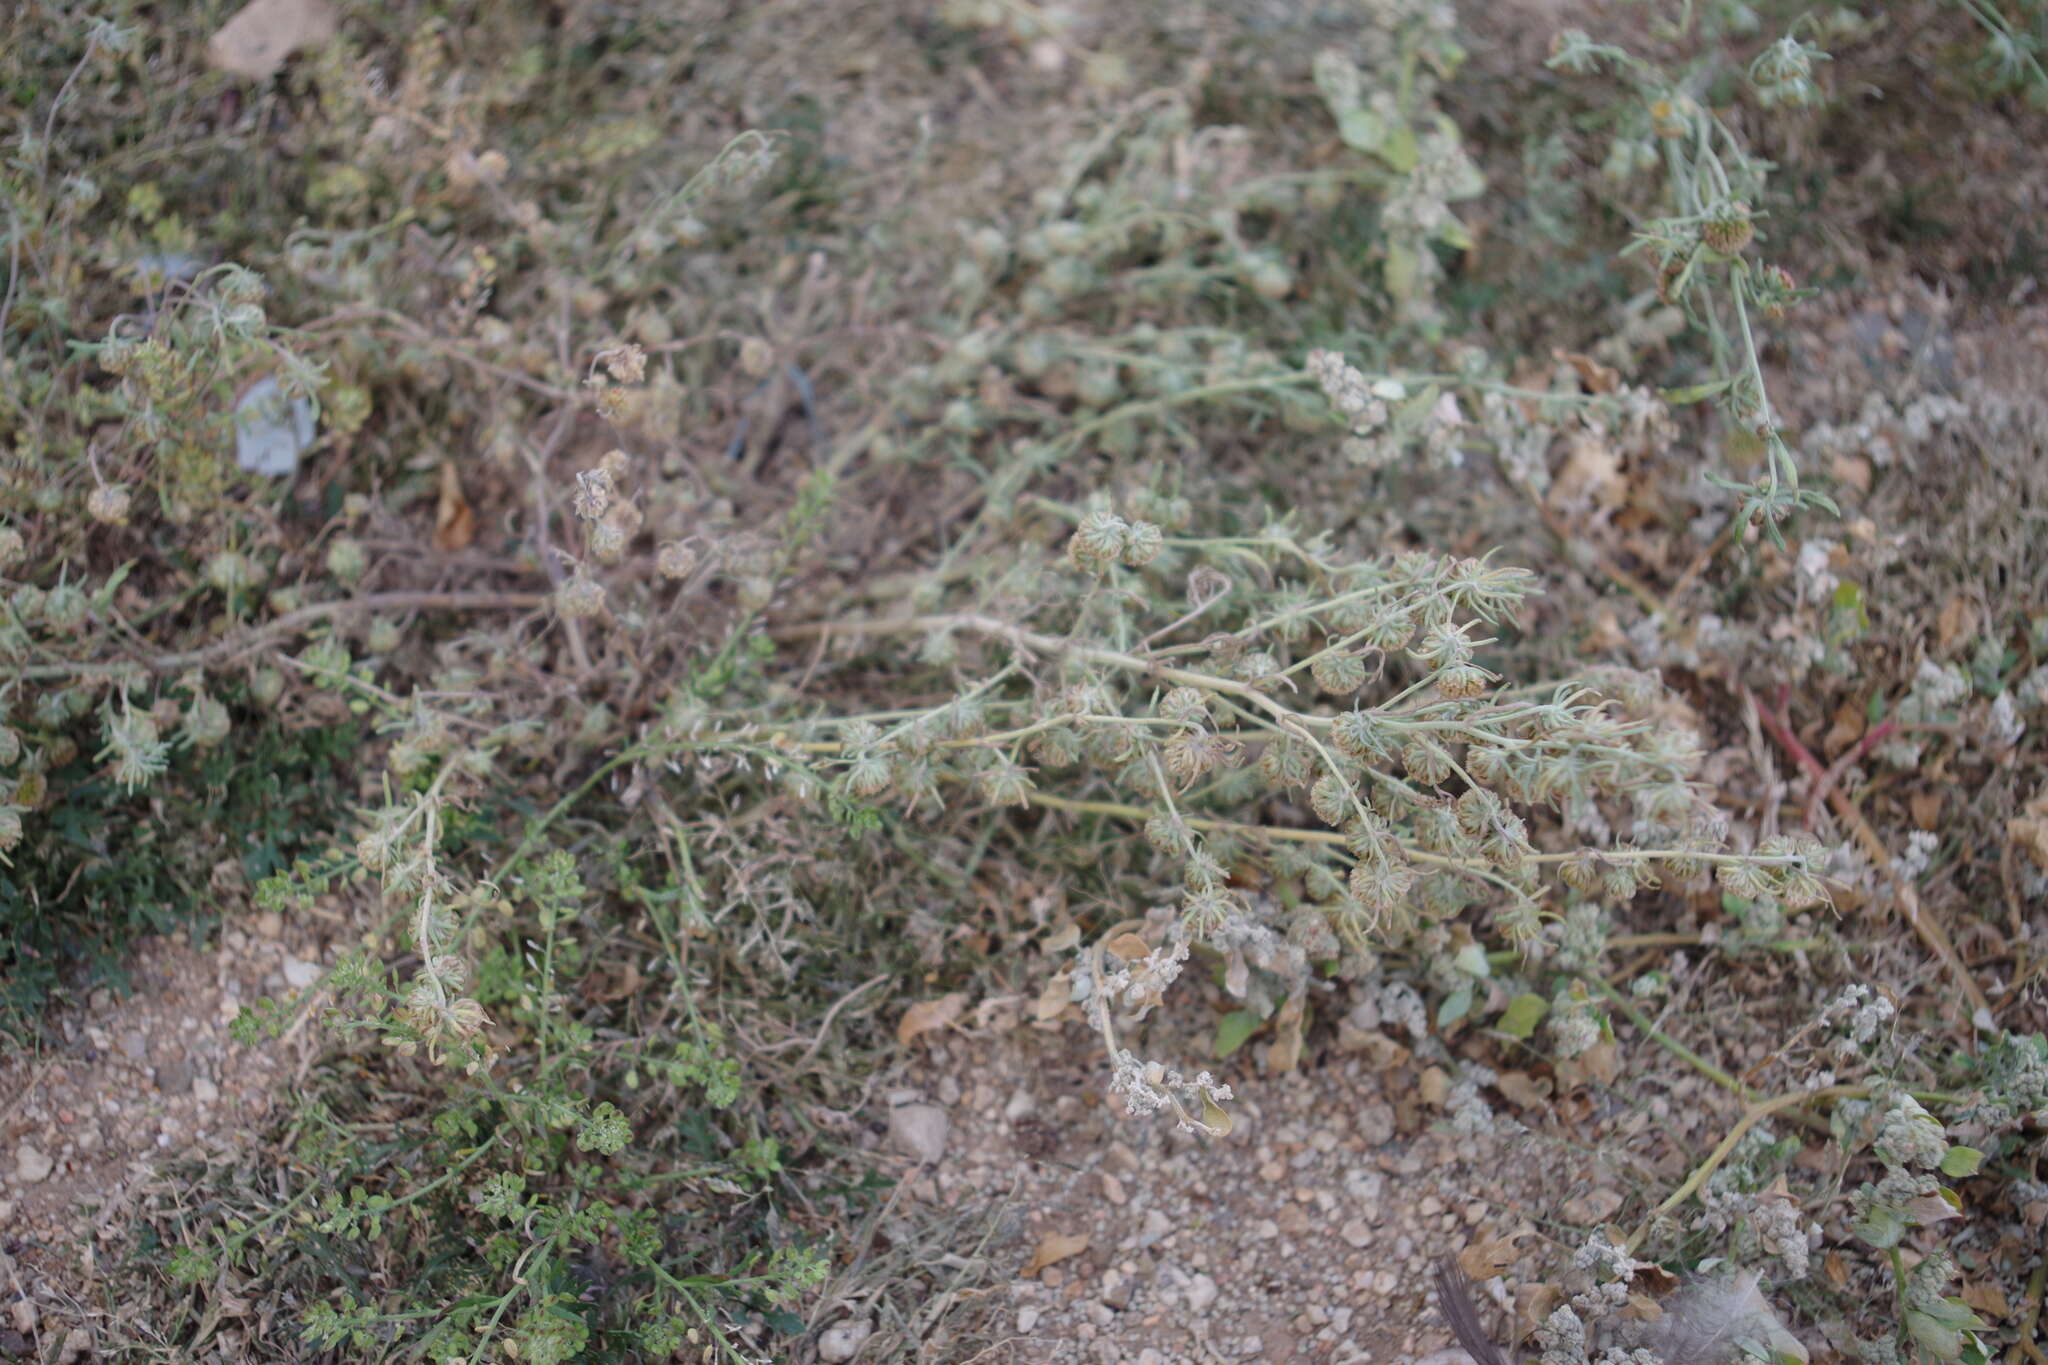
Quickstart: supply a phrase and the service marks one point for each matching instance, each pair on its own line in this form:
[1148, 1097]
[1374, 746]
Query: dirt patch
[1309, 1234]
[125, 1083]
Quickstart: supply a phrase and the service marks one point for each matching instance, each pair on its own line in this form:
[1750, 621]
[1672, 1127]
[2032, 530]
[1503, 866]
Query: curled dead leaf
[1533, 1303]
[1596, 377]
[2029, 829]
[1524, 1091]
[454, 518]
[1053, 1248]
[1434, 1086]
[1054, 999]
[1127, 946]
[256, 41]
[1290, 1032]
[927, 1015]
[1987, 1298]
[1062, 938]
[1483, 1260]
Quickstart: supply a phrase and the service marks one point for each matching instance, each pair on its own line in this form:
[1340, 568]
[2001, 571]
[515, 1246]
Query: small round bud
[1268, 277]
[266, 687]
[230, 571]
[1143, 544]
[1581, 872]
[675, 560]
[988, 245]
[628, 365]
[243, 319]
[206, 722]
[347, 560]
[960, 417]
[607, 541]
[580, 597]
[1461, 681]
[1728, 228]
[1099, 385]
[757, 357]
[593, 494]
[241, 285]
[64, 610]
[108, 504]
[12, 547]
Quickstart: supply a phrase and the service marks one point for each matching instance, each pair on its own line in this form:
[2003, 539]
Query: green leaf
[1881, 1226]
[1695, 392]
[1233, 1029]
[1961, 1161]
[1523, 1014]
[1471, 960]
[1403, 270]
[1399, 150]
[1361, 129]
[1456, 1006]
[105, 594]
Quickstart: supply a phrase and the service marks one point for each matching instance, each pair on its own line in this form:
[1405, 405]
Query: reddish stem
[1782, 732]
[1876, 735]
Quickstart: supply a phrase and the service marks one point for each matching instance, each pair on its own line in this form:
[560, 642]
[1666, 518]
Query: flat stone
[1594, 1206]
[919, 1130]
[174, 1078]
[843, 1342]
[30, 1165]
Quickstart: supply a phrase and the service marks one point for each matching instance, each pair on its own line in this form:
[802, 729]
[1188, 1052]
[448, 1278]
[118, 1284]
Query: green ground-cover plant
[734, 562]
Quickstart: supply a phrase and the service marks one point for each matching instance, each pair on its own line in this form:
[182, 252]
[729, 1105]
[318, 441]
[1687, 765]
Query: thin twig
[2029, 1328]
[1827, 781]
[271, 632]
[1666, 1041]
[1704, 558]
[1925, 925]
[1755, 1114]
[825, 1027]
[1751, 1117]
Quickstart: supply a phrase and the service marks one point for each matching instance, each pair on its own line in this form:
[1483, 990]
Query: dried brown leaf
[1523, 1090]
[1054, 999]
[1987, 1298]
[454, 518]
[1433, 1086]
[1289, 1033]
[1053, 1248]
[1596, 377]
[256, 41]
[927, 1015]
[1484, 1260]
[1127, 946]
